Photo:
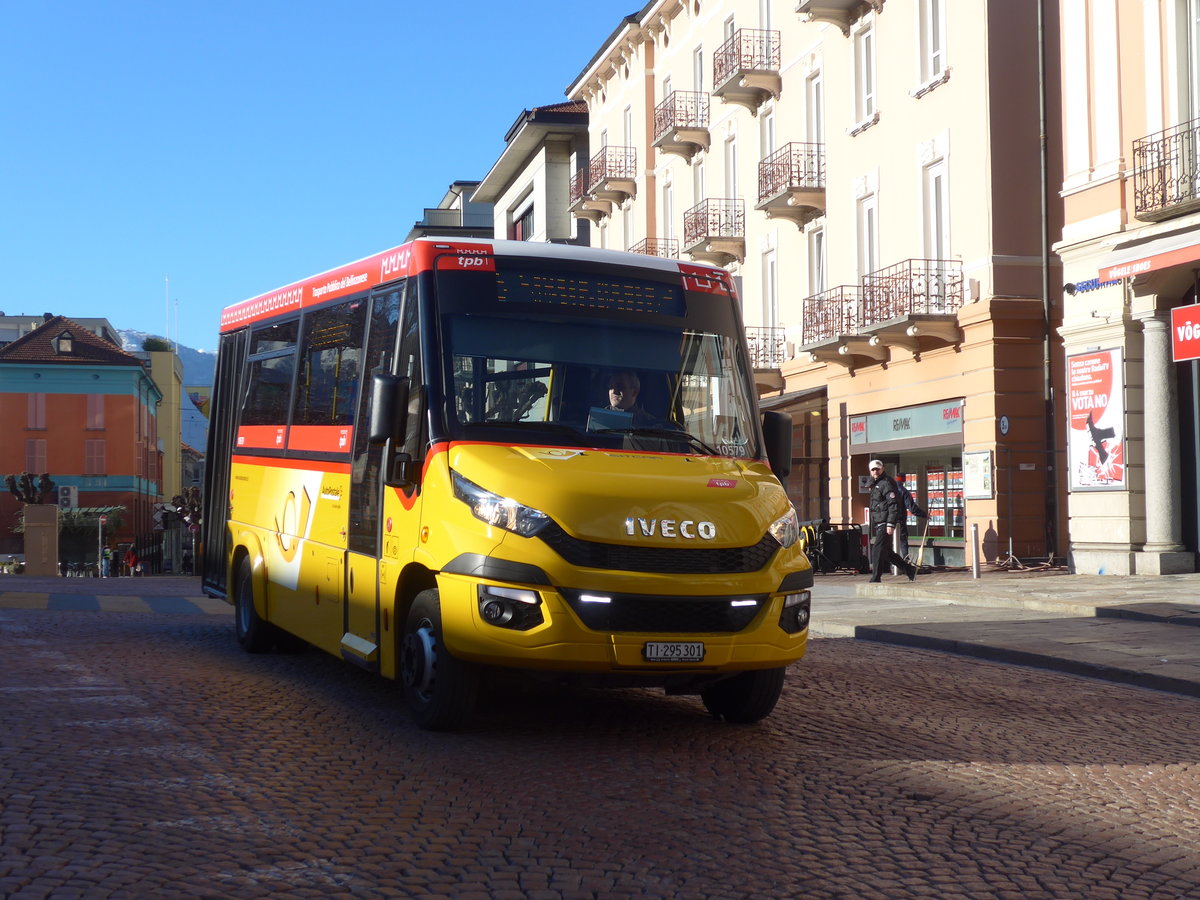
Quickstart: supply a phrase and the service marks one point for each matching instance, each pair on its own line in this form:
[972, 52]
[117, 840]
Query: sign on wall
[977, 475]
[1185, 332]
[1096, 406]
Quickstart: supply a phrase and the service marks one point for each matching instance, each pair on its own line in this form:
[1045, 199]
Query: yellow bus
[461, 455]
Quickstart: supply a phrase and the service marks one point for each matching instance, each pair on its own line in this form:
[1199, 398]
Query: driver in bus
[624, 387]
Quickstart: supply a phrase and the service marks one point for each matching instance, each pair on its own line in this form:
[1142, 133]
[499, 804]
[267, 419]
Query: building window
[668, 211]
[936, 205]
[864, 74]
[767, 134]
[93, 457]
[522, 225]
[816, 261]
[95, 411]
[35, 456]
[770, 290]
[731, 170]
[868, 235]
[627, 225]
[698, 181]
[933, 47]
[37, 413]
[698, 70]
[814, 90]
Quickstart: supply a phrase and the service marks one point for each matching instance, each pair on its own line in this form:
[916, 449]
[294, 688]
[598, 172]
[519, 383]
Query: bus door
[361, 634]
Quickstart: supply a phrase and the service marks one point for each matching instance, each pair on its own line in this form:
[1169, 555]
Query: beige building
[1130, 248]
[881, 179]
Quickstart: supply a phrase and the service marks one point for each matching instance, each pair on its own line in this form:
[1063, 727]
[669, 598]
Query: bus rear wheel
[254, 634]
[439, 688]
[745, 698]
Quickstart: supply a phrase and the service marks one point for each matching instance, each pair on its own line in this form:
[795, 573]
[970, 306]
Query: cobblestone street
[145, 754]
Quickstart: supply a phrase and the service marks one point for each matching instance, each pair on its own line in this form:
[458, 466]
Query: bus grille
[671, 560]
[666, 615]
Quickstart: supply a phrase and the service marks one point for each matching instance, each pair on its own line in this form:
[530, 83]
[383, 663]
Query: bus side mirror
[389, 408]
[777, 435]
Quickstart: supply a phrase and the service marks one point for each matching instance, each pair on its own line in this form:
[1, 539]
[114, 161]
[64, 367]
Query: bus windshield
[593, 359]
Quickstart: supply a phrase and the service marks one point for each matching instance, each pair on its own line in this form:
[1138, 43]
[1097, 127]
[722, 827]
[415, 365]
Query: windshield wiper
[672, 433]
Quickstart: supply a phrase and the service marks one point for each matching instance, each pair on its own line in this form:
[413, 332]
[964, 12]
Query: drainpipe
[1047, 386]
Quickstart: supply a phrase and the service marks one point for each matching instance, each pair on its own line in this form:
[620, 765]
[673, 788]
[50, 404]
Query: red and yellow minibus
[415, 463]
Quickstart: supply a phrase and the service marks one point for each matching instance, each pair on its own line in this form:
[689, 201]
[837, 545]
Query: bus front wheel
[440, 689]
[746, 697]
[253, 633]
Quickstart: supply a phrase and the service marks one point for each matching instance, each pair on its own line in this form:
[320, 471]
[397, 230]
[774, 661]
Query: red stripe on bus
[399, 262]
[321, 438]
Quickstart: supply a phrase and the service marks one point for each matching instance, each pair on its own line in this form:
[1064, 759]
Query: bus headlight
[502, 512]
[786, 529]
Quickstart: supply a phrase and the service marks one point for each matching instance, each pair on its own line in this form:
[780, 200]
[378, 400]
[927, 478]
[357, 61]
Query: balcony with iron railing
[768, 349]
[791, 183]
[714, 231]
[580, 202]
[842, 13]
[831, 314]
[610, 177]
[612, 174]
[768, 346]
[681, 123]
[1166, 177]
[746, 68]
[665, 247]
[912, 304]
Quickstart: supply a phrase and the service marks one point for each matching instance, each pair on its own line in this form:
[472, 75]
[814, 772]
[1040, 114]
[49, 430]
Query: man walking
[886, 511]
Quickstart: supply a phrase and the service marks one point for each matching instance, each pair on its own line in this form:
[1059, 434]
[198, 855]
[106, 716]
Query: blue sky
[161, 159]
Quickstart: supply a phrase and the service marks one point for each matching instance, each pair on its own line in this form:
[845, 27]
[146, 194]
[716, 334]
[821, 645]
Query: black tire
[745, 698]
[254, 634]
[440, 689]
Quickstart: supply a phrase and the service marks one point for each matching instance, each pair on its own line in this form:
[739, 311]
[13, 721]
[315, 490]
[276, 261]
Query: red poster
[1096, 410]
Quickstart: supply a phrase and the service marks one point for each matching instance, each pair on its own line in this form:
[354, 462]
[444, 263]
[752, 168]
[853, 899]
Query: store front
[921, 446]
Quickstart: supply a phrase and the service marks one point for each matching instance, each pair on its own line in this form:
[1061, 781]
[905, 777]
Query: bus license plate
[673, 651]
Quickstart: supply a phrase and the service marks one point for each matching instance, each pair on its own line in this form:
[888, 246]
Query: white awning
[1150, 255]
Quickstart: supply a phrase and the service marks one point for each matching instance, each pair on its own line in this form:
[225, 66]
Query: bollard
[974, 549]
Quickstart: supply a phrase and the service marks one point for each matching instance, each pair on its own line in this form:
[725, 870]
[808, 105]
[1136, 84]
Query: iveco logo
[670, 528]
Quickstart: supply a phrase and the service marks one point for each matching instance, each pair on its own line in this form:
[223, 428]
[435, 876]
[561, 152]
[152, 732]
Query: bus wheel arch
[439, 688]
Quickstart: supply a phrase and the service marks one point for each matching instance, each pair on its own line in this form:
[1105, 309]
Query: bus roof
[419, 255]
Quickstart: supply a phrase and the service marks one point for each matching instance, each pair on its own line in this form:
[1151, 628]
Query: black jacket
[886, 506]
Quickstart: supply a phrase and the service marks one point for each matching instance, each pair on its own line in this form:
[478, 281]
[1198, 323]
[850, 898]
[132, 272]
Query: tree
[153, 344]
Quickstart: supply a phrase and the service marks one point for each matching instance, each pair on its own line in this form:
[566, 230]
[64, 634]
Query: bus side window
[269, 385]
[329, 365]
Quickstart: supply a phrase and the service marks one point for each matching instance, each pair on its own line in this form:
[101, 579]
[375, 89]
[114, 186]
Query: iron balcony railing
[612, 164]
[747, 49]
[793, 165]
[578, 186]
[912, 287]
[768, 346]
[1166, 177]
[718, 218]
[681, 109]
[668, 247]
[831, 314]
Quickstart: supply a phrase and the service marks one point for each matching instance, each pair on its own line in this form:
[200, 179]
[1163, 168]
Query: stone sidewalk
[1127, 629]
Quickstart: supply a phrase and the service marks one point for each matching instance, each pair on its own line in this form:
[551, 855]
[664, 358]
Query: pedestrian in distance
[886, 513]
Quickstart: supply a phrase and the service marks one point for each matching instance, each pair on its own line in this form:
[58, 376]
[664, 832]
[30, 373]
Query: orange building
[85, 412]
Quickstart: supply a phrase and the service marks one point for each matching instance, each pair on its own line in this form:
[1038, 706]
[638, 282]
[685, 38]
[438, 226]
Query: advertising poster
[1096, 438]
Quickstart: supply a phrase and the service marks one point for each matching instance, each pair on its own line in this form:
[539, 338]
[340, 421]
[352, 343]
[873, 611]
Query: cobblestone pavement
[145, 755]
